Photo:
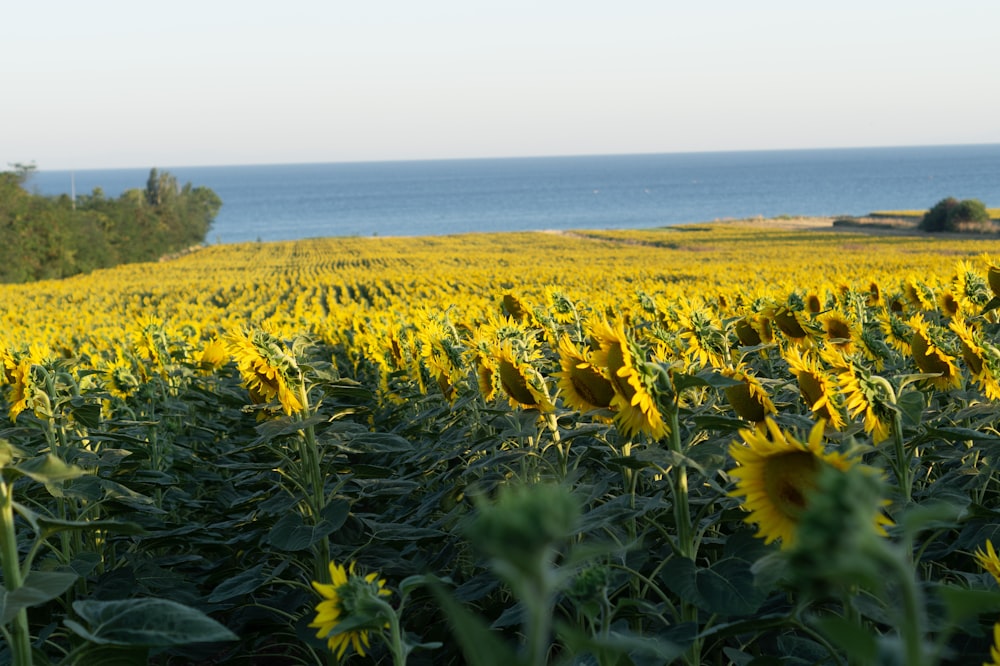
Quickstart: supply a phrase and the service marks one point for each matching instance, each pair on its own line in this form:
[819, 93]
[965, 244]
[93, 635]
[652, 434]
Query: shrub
[953, 215]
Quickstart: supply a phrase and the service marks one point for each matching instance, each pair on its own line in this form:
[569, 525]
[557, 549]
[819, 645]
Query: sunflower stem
[20, 643]
[682, 518]
[679, 488]
[901, 466]
[309, 452]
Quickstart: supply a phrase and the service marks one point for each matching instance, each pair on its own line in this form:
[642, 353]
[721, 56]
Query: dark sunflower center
[592, 386]
[515, 384]
[788, 480]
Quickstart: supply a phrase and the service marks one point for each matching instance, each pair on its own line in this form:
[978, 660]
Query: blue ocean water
[291, 201]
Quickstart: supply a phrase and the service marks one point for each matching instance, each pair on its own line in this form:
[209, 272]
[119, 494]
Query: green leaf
[927, 516]
[85, 413]
[963, 603]
[150, 622]
[726, 588]
[113, 655]
[292, 534]
[618, 644]
[857, 642]
[240, 585]
[48, 469]
[911, 406]
[480, 646]
[38, 588]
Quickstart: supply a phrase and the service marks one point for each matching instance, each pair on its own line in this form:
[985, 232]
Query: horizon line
[519, 157]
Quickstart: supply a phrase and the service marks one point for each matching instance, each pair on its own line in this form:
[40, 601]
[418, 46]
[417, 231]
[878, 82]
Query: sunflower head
[213, 356]
[269, 371]
[777, 475]
[582, 385]
[353, 599]
[635, 394]
[749, 398]
[993, 278]
[988, 560]
[817, 387]
[840, 331]
[524, 385]
[930, 358]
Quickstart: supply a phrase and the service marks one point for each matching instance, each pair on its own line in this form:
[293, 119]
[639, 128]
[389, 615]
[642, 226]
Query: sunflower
[634, 402]
[993, 276]
[817, 386]
[918, 293]
[23, 387]
[118, 377]
[989, 561]
[895, 332]
[583, 386]
[348, 597]
[213, 356]
[930, 358]
[982, 358]
[266, 368]
[524, 386]
[706, 344]
[813, 303]
[486, 376]
[749, 398]
[776, 473]
[861, 394]
[840, 331]
[515, 308]
[746, 333]
[948, 304]
[995, 648]
[874, 296]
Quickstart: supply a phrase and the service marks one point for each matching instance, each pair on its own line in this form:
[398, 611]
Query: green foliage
[950, 214]
[53, 237]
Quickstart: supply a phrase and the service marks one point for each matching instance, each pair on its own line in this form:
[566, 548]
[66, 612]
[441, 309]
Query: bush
[953, 215]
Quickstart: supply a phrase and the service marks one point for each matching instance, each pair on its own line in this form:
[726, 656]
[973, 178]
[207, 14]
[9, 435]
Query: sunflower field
[708, 444]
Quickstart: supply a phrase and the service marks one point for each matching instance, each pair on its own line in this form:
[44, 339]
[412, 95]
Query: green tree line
[45, 237]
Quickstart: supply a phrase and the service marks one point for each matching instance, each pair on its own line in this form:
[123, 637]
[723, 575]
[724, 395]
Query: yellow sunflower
[23, 387]
[523, 384]
[268, 371]
[817, 386]
[749, 398]
[982, 359]
[989, 561]
[706, 344]
[776, 473]
[118, 377]
[582, 385]
[930, 358]
[995, 648]
[993, 275]
[213, 356]
[344, 598]
[486, 376]
[840, 331]
[746, 333]
[861, 394]
[874, 296]
[895, 332]
[949, 304]
[634, 403]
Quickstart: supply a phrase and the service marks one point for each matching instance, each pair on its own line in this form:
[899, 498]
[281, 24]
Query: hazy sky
[109, 83]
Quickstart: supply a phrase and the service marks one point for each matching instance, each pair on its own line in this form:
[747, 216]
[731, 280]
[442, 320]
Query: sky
[119, 83]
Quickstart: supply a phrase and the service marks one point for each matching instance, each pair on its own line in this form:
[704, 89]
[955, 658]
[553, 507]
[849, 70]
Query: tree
[22, 170]
[950, 214]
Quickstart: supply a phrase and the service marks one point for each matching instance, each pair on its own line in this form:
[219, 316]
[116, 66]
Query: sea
[271, 202]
